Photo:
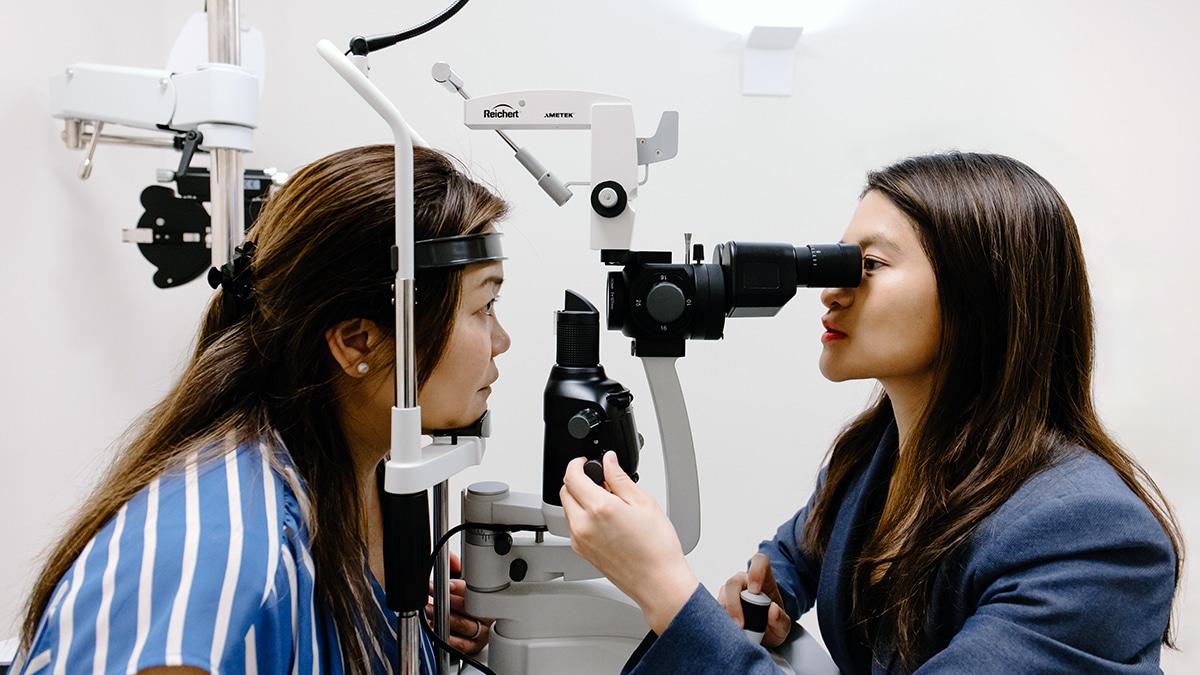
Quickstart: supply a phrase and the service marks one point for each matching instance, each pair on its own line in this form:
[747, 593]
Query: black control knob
[503, 543]
[517, 570]
[594, 470]
[665, 302]
[582, 423]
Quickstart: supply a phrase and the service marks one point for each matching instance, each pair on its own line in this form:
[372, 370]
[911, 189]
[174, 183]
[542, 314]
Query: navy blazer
[1073, 574]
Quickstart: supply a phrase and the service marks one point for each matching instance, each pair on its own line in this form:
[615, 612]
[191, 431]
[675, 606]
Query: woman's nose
[835, 296]
[500, 339]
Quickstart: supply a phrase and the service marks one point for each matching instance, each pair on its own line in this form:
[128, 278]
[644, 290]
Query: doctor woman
[239, 529]
[976, 518]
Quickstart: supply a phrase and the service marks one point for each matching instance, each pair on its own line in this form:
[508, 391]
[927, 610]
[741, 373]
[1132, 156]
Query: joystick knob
[754, 613]
[594, 470]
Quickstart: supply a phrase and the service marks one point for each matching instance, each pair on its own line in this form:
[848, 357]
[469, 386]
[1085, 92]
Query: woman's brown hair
[1012, 385]
[262, 369]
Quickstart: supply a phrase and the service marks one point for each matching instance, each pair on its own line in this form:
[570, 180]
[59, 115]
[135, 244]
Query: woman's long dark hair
[262, 369]
[1013, 382]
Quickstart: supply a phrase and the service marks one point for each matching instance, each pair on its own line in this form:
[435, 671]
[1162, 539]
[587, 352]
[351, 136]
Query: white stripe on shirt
[66, 614]
[233, 561]
[191, 548]
[289, 566]
[35, 664]
[307, 561]
[272, 524]
[376, 645]
[251, 653]
[108, 584]
[146, 580]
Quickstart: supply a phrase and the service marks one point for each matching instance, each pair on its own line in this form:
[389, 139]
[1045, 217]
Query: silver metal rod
[441, 571]
[405, 342]
[226, 200]
[224, 32]
[467, 97]
[409, 633]
[508, 140]
[85, 167]
[71, 134]
[225, 169]
[85, 137]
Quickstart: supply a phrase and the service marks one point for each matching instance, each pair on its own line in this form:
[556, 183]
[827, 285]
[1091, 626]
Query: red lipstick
[831, 333]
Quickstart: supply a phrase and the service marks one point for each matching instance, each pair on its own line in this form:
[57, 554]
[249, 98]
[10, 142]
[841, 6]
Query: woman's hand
[758, 579]
[468, 634]
[624, 533]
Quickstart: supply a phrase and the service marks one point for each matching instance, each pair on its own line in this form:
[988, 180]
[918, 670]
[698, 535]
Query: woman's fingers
[468, 634]
[779, 625]
[730, 597]
[618, 482]
[758, 573]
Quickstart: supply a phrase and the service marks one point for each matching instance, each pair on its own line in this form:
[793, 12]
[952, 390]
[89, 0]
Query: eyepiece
[828, 265]
[761, 277]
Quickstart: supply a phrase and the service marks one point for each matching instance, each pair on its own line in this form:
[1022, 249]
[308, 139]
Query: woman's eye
[870, 264]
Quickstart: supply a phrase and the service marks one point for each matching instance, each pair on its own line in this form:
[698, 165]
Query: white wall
[1098, 96]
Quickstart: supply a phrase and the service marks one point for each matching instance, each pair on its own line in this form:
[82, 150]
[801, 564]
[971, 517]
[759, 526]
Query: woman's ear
[350, 342]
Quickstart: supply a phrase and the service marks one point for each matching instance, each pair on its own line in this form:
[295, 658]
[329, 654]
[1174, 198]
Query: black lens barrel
[762, 277]
[828, 265]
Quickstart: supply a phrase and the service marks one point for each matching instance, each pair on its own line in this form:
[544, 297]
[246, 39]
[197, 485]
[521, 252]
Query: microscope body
[554, 613]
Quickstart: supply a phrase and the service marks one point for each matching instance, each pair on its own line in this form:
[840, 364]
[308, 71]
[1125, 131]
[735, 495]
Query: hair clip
[235, 276]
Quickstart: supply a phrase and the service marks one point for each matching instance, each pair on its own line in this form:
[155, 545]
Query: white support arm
[616, 150]
[536, 109]
[221, 100]
[679, 453]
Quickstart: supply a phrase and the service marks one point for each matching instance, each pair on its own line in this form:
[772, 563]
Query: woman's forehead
[483, 275]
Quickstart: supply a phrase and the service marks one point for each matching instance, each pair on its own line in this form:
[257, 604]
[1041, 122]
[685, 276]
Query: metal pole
[441, 571]
[405, 417]
[409, 634]
[408, 631]
[225, 165]
[406, 362]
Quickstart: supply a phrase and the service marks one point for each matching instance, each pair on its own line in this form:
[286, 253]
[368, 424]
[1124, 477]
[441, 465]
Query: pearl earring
[363, 368]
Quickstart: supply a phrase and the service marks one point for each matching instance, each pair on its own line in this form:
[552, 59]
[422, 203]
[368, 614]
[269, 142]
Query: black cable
[437, 640]
[445, 646]
[361, 46]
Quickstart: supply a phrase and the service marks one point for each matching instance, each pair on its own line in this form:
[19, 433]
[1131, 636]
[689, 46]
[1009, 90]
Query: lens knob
[582, 423]
[665, 302]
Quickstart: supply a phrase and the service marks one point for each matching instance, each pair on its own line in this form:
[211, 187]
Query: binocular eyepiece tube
[761, 278]
[653, 299]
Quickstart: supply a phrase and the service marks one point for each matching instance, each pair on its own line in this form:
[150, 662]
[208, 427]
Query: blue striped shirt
[208, 566]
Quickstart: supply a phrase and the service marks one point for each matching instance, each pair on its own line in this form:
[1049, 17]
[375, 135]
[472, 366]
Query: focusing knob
[581, 424]
[665, 302]
[609, 199]
[503, 543]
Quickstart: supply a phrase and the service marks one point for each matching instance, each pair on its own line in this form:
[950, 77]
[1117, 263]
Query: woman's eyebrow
[491, 280]
[878, 241]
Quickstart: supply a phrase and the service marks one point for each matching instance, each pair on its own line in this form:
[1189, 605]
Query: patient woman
[976, 518]
[239, 530]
